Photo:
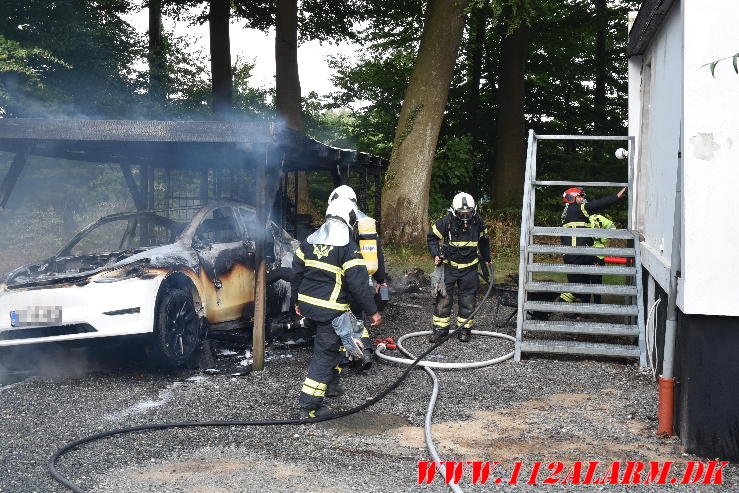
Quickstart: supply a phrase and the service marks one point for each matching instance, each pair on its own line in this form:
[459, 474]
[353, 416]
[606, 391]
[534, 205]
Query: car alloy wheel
[178, 327]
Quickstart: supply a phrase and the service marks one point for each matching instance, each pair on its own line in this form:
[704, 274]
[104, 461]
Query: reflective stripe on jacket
[461, 249]
[578, 216]
[327, 278]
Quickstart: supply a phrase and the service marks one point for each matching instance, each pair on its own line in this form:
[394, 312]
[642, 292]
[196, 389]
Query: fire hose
[427, 365]
[59, 477]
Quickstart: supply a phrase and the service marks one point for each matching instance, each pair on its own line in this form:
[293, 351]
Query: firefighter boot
[465, 335]
[438, 335]
[334, 389]
[317, 413]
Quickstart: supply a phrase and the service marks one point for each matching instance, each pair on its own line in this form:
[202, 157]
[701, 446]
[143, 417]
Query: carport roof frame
[299, 151]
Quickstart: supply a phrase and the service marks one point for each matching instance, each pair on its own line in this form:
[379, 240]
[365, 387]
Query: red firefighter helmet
[570, 194]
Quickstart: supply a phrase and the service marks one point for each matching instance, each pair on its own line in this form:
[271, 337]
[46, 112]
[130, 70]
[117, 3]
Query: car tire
[177, 329]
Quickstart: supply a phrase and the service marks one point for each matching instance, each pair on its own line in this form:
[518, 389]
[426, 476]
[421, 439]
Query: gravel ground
[538, 410]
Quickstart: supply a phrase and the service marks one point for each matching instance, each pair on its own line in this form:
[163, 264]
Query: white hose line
[447, 366]
[427, 365]
[427, 425]
[651, 337]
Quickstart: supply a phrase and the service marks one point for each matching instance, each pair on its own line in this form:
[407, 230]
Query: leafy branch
[712, 65]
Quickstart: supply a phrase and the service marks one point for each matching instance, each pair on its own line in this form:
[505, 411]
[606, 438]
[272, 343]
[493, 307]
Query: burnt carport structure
[265, 149]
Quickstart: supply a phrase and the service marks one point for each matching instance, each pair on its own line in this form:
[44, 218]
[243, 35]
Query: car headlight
[128, 271]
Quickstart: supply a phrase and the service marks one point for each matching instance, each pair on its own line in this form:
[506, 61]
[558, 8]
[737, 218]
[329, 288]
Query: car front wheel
[177, 330]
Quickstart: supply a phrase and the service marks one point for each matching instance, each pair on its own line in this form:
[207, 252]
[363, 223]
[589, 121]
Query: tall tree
[510, 160]
[155, 55]
[601, 31]
[309, 19]
[287, 79]
[287, 87]
[219, 16]
[475, 55]
[406, 191]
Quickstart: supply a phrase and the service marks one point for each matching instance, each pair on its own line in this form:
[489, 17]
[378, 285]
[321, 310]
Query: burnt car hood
[75, 269]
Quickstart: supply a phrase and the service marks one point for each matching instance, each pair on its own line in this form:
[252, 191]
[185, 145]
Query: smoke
[70, 359]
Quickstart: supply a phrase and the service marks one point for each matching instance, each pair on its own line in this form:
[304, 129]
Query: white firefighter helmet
[344, 191]
[344, 209]
[339, 226]
[463, 206]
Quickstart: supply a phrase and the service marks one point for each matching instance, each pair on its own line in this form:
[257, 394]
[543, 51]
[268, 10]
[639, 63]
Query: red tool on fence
[389, 343]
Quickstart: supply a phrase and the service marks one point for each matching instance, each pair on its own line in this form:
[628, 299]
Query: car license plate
[36, 315]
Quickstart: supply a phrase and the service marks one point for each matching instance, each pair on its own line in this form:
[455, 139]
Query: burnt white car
[141, 272]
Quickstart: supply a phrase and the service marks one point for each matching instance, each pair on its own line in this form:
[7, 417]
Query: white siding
[655, 114]
[711, 159]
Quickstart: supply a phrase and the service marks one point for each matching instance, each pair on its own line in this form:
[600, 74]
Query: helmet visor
[465, 213]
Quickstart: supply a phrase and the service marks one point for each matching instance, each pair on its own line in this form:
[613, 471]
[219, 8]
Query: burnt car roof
[154, 213]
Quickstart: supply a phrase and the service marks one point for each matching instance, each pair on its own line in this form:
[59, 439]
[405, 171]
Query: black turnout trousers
[323, 368]
[467, 283]
[584, 278]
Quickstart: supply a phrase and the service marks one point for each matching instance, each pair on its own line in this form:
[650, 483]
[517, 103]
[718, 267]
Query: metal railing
[529, 229]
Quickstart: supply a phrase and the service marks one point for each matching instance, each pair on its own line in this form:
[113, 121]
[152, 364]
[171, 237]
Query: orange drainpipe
[665, 408]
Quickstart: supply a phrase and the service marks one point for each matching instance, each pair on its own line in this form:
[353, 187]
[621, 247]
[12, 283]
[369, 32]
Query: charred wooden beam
[11, 177]
[149, 186]
[133, 188]
[260, 264]
[204, 186]
[363, 189]
[136, 130]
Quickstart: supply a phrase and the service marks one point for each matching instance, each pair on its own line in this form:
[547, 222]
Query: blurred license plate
[36, 315]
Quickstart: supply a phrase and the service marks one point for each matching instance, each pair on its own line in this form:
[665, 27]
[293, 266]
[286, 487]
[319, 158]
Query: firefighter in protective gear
[328, 272]
[576, 214]
[600, 222]
[371, 249]
[458, 241]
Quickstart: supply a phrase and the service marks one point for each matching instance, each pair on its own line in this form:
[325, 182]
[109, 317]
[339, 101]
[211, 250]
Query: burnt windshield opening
[123, 232]
[101, 244]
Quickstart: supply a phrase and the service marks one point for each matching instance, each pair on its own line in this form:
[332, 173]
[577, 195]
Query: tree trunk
[220, 56]
[599, 103]
[287, 87]
[406, 190]
[510, 160]
[156, 53]
[476, 55]
[287, 79]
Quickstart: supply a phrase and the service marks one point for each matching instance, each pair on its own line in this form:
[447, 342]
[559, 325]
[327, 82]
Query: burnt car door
[227, 265]
[278, 249]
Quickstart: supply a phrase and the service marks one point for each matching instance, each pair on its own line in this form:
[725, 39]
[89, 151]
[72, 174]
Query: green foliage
[22, 75]
[560, 90]
[189, 87]
[712, 65]
[98, 48]
[79, 58]
[452, 171]
[323, 20]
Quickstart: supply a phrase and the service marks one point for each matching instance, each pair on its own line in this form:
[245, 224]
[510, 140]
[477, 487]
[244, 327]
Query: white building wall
[655, 117]
[711, 159]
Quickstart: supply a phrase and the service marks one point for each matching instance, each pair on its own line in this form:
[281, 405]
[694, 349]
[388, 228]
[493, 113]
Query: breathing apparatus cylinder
[368, 243]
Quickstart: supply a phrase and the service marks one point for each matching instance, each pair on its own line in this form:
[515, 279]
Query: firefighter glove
[438, 288]
[345, 326]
